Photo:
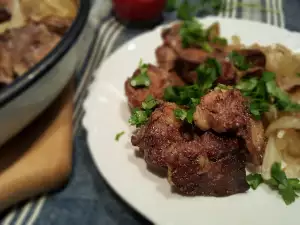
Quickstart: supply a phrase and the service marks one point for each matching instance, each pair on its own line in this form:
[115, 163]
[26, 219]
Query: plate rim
[88, 98]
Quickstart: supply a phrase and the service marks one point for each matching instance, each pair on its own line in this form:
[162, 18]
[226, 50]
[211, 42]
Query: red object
[139, 10]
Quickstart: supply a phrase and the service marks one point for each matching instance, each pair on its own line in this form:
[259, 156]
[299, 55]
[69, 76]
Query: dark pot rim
[40, 69]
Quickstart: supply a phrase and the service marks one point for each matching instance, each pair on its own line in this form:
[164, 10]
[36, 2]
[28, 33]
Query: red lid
[138, 10]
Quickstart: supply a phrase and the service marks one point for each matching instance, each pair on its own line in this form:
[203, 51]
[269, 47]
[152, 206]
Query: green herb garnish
[142, 79]
[208, 73]
[140, 116]
[149, 103]
[220, 41]
[189, 95]
[206, 47]
[183, 95]
[222, 87]
[239, 61]
[262, 92]
[118, 135]
[185, 115]
[282, 100]
[192, 33]
[287, 188]
[254, 180]
[180, 114]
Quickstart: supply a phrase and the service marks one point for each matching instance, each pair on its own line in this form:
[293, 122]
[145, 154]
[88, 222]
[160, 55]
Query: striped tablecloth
[87, 199]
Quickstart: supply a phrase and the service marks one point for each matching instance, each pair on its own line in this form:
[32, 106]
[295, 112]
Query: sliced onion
[292, 170]
[285, 122]
[271, 155]
[288, 146]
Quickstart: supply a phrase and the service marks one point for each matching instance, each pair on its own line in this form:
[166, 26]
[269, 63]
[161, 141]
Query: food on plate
[29, 33]
[211, 109]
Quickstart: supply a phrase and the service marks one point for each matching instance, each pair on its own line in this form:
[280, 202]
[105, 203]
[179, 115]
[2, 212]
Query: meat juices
[198, 164]
[226, 111]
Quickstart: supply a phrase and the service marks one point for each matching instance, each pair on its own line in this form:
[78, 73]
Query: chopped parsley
[183, 95]
[192, 33]
[118, 135]
[140, 116]
[180, 114]
[263, 92]
[287, 188]
[220, 41]
[208, 73]
[185, 115]
[239, 61]
[189, 95]
[142, 79]
[254, 180]
[206, 47]
[222, 87]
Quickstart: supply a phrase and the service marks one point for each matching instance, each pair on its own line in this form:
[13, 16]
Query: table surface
[87, 199]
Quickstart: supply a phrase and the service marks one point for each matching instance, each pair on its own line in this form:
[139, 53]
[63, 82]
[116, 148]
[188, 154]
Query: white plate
[107, 114]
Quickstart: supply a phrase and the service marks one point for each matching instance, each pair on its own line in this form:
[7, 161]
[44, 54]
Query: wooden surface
[39, 159]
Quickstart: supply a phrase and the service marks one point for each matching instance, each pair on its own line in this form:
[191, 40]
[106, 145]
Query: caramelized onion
[271, 156]
[285, 122]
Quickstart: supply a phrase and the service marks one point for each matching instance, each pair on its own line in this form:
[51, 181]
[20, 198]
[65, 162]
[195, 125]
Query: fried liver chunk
[210, 165]
[161, 131]
[226, 111]
[198, 163]
[159, 80]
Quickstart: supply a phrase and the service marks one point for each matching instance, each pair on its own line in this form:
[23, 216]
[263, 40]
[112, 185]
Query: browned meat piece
[166, 57]
[226, 111]
[188, 73]
[159, 81]
[175, 80]
[29, 44]
[211, 165]
[222, 111]
[206, 164]
[228, 75]
[256, 59]
[193, 55]
[254, 137]
[57, 25]
[171, 37]
[6, 71]
[162, 130]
